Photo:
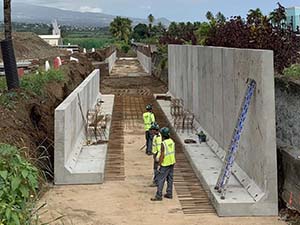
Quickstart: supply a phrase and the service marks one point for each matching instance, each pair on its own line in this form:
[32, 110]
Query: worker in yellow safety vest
[149, 118]
[156, 146]
[166, 160]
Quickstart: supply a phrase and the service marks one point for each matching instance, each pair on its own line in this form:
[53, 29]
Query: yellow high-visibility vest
[156, 144]
[148, 120]
[169, 150]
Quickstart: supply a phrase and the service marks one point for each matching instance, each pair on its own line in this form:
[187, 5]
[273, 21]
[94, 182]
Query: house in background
[293, 17]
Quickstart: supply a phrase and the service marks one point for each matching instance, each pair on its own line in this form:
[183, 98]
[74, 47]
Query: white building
[54, 39]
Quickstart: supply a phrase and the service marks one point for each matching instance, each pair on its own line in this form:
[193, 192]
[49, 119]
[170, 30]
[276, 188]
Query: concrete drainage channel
[127, 111]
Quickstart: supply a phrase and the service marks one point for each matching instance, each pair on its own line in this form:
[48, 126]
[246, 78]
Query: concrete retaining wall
[111, 60]
[70, 127]
[145, 61]
[212, 83]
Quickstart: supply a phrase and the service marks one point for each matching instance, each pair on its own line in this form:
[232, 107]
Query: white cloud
[90, 9]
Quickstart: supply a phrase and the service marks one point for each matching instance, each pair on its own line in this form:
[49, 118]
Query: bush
[125, 48]
[292, 71]
[36, 82]
[18, 182]
[263, 33]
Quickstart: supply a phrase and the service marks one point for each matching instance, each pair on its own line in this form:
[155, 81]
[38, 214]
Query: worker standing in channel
[149, 118]
[156, 146]
[166, 160]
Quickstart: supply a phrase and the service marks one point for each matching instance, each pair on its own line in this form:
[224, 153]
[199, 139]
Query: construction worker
[166, 159]
[156, 146]
[149, 118]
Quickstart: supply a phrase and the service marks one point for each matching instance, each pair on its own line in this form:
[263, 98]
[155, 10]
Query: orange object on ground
[20, 72]
[56, 63]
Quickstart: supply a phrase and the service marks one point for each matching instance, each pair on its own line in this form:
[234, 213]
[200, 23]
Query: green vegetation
[121, 28]
[90, 43]
[2, 83]
[292, 71]
[87, 37]
[140, 31]
[33, 83]
[19, 184]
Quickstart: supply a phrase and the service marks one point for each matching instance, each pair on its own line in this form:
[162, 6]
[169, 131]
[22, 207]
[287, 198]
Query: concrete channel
[124, 197]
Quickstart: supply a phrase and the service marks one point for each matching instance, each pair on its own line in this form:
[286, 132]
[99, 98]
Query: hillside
[27, 13]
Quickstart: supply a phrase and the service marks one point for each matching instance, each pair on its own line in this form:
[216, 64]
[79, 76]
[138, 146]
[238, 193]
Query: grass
[2, 83]
[33, 83]
[292, 71]
[90, 43]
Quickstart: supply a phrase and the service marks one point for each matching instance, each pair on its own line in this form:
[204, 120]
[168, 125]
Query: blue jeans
[165, 173]
[149, 138]
[155, 166]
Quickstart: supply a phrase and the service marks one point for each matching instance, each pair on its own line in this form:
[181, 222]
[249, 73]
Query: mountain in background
[27, 13]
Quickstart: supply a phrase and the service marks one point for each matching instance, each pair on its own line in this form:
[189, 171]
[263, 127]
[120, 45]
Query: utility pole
[8, 55]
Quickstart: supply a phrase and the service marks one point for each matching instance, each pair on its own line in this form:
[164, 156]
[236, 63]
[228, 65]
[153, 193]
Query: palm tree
[220, 17]
[254, 16]
[121, 28]
[212, 20]
[278, 16]
[8, 54]
[151, 21]
[209, 16]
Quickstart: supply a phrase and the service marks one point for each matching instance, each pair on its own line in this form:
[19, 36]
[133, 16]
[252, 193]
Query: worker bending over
[166, 160]
[156, 146]
[149, 118]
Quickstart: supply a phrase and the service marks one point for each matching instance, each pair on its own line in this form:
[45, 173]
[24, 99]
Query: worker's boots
[168, 196]
[156, 198]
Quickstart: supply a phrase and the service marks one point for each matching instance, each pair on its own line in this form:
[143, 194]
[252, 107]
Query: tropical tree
[203, 32]
[8, 54]
[140, 31]
[212, 20]
[209, 16]
[121, 28]
[220, 17]
[278, 16]
[254, 16]
[159, 29]
[151, 21]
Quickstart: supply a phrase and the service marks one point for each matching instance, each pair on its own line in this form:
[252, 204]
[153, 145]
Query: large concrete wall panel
[221, 76]
[217, 74]
[70, 123]
[111, 60]
[145, 61]
[228, 96]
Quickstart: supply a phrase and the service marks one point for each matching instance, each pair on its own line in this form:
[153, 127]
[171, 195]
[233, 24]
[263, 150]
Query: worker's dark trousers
[165, 173]
[155, 166]
[149, 138]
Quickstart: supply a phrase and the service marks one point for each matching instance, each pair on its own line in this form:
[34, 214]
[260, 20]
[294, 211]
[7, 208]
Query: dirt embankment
[30, 122]
[30, 46]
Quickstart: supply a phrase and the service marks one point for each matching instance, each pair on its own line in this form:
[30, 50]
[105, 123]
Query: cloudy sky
[177, 10]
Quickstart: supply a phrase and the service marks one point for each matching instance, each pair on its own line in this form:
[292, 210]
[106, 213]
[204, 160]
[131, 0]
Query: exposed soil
[30, 46]
[129, 77]
[30, 122]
